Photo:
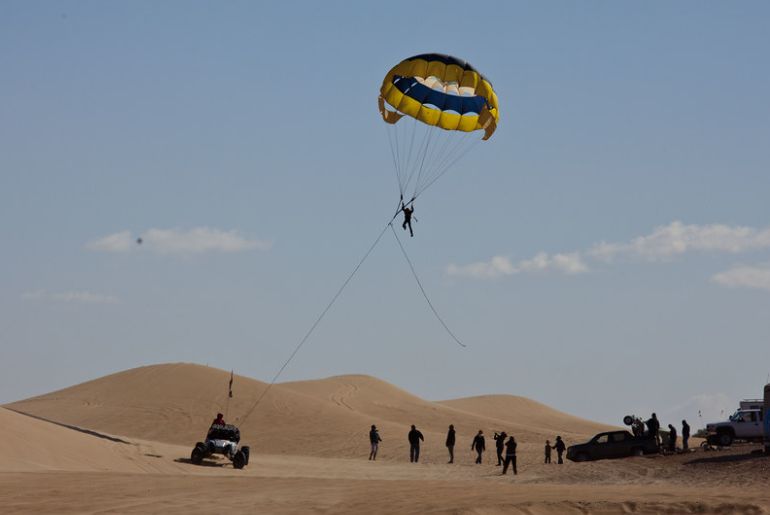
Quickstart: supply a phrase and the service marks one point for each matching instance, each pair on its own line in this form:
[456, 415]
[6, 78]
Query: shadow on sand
[203, 463]
[730, 458]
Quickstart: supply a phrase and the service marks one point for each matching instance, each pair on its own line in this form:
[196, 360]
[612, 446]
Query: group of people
[504, 444]
[653, 431]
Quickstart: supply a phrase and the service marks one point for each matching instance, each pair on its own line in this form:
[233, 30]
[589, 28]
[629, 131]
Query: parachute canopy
[443, 100]
[442, 91]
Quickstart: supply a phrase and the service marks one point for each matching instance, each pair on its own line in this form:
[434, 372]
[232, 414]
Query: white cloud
[175, 241]
[744, 276]
[83, 297]
[500, 266]
[118, 242]
[677, 238]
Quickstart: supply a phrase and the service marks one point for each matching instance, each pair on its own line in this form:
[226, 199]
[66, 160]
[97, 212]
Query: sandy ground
[311, 460]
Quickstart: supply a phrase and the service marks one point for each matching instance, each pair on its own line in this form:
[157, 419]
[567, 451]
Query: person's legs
[684, 443]
[411, 454]
[451, 453]
[561, 461]
[513, 462]
[410, 229]
[499, 457]
[506, 463]
[416, 453]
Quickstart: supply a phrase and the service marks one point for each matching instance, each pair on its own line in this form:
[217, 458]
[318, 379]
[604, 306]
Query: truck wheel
[725, 439]
[196, 456]
[245, 450]
[239, 460]
[638, 452]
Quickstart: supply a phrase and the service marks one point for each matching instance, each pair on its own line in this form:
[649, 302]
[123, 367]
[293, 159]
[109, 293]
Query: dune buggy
[224, 440]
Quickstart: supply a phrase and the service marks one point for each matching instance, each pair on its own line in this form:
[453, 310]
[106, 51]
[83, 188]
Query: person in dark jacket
[653, 428]
[560, 448]
[407, 217]
[414, 444]
[219, 421]
[510, 455]
[671, 438]
[450, 443]
[500, 445]
[685, 435]
[479, 445]
[374, 439]
[548, 451]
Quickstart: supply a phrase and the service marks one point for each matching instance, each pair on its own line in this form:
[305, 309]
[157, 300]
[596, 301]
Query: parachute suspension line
[421, 151]
[315, 324]
[448, 167]
[419, 283]
[395, 162]
[422, 163]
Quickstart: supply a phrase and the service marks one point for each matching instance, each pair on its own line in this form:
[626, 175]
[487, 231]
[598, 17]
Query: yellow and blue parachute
[434, 91]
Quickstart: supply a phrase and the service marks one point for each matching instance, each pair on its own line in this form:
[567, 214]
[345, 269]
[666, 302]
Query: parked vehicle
[767, 419]
[746, 424]
[612, 444]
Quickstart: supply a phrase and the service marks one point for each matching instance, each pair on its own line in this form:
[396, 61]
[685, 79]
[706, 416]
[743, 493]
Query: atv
[222, 439]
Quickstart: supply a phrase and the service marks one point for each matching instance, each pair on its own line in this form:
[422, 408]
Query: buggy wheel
[638, 452]
[245, 450]
[196, 456]
[239, 460]
[581, 456]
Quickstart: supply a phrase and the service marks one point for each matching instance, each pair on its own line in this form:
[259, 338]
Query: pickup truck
[744, 424]
[612, 444]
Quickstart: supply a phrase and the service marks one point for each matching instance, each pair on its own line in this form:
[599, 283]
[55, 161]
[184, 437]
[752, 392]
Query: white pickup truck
[745, 424]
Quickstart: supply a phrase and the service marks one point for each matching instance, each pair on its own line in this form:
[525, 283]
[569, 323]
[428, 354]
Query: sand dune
[132, 432]
[329, 417]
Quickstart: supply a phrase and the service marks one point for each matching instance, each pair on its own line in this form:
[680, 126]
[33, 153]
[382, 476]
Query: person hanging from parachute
[442, 101]
[407, 217]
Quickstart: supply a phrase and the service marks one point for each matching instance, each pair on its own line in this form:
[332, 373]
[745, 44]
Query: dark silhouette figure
[499, 446]
[510, 455]
[479, 445]
[653, 429]
[374, 439]
[671, 438]
[219, 421]
[548, 451]
[414, 444]
[560, 448]
[685, 435]
[407, 217]
[450, 443]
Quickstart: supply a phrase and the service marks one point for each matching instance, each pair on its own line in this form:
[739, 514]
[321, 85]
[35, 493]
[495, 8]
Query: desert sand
[121, 443]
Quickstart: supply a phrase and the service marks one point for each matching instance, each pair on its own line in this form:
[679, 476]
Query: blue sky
[607, 251]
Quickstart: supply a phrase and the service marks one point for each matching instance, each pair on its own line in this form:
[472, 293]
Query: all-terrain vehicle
[225, 440]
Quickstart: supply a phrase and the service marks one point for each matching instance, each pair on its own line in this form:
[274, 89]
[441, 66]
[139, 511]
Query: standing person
[450, 443]
[374, 439]
[653, 428]
[479, 445]
[548, 451]
[499, 445]
[685, 435]
[671, 438]
[510, 455]
[560, 448]
[414, 444]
